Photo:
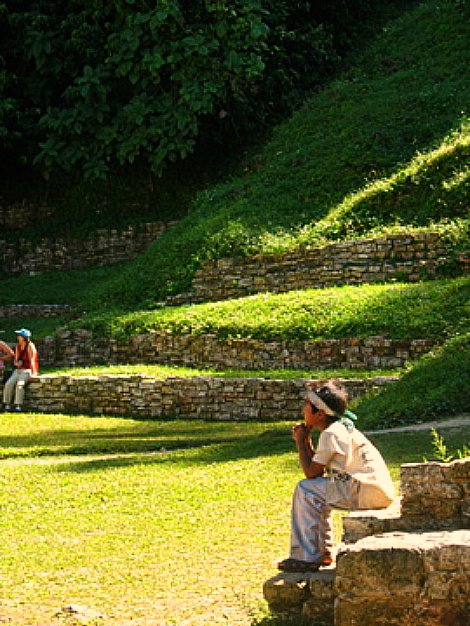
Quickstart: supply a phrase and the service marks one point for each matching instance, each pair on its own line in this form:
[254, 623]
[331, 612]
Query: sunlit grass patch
[186, 535]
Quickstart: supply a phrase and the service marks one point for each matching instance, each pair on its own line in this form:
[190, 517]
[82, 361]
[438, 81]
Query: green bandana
[347, 419]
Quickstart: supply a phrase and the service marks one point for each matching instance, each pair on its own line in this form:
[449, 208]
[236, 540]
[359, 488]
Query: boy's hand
[300, 432]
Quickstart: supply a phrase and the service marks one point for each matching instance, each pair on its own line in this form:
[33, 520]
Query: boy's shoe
[17, 409]
[7, 408]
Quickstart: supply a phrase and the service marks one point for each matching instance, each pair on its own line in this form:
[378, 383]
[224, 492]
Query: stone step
[398, 579]
[390, 579]
[360, 524]
[308, 595]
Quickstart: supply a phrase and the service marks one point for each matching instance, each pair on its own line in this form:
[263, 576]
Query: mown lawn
[179, 523]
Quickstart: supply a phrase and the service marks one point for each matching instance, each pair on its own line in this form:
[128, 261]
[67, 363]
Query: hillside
[382, 148]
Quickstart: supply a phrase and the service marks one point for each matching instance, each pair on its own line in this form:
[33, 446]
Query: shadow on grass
[169, 441]
[193, 453]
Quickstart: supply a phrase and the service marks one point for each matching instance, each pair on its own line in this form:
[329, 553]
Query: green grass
[383, 147]
[437, 385]
[182, 536]
[164, 371]
[41, 327]
[431, 309]
[55, 287]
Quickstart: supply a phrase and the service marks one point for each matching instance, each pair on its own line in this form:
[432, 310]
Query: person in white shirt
[345, 471]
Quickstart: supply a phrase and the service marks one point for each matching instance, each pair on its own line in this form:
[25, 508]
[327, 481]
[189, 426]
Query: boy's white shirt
[351, 452]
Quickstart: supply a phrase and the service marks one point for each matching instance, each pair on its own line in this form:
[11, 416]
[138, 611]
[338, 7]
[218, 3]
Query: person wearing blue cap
[26, 367]
[345, 471]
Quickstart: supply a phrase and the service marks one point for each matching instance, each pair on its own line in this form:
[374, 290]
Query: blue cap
[24, 332]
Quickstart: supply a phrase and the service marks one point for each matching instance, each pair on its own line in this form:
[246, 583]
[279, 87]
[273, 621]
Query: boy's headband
[318, 403]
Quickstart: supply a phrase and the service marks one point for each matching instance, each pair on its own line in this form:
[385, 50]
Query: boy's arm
[311, 468]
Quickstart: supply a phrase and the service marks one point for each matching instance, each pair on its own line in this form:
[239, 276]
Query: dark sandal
[294, 565]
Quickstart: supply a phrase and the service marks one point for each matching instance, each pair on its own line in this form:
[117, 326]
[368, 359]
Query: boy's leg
[311, 538]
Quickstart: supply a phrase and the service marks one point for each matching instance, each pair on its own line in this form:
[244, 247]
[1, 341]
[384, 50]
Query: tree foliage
[85, 86]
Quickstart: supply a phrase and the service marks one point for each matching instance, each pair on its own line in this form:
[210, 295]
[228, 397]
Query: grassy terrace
[429, 309]
[174, 527]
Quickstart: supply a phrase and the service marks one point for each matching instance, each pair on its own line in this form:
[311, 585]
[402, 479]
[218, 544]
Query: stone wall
[190, 398]
[22, 214]
[438, 491]
[434, 496]
[15, 311]
[104, 247]
[81, 348]
[397, 257]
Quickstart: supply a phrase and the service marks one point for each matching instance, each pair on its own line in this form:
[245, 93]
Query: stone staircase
[408, 565]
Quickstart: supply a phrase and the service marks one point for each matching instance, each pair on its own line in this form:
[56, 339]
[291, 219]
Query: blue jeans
[311, 535]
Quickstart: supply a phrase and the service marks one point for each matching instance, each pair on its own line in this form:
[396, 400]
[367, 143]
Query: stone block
[380, 612]
[379, 566]
[319, 606]
[287, 592]
[404, 579]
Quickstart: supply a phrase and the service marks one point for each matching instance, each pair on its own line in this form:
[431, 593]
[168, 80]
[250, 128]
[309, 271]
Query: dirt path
[456, 422]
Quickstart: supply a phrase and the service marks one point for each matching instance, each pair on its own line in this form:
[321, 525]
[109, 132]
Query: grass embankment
[436, 386]
[186, 535]
[384, 147]
[434, 309]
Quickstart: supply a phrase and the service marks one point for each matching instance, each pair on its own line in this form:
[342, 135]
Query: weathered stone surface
[8, 311]
[197, 397]
[375, 565]
[81, 348]
[415, 577]
[104, 247]
[353, 262]
[287, 592]
[310, 595]
[400, 579]
[319, 606]
[437, 491]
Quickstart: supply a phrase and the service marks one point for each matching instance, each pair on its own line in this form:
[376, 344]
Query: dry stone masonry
[411, 569]
[22, 214]
[396, 257]
[104, 247]
[189, 398]
[80, 347]
[15, 311]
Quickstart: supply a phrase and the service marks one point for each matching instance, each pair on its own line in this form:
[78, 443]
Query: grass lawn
[166, 371]
[182, 536]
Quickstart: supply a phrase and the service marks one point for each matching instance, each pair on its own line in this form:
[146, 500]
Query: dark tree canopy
[88, 85]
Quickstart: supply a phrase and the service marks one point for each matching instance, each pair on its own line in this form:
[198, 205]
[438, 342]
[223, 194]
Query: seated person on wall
[345, 472]
[26, 367]
[6, 353]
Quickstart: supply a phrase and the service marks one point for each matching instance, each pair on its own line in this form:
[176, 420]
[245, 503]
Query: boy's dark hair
[334, 394]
